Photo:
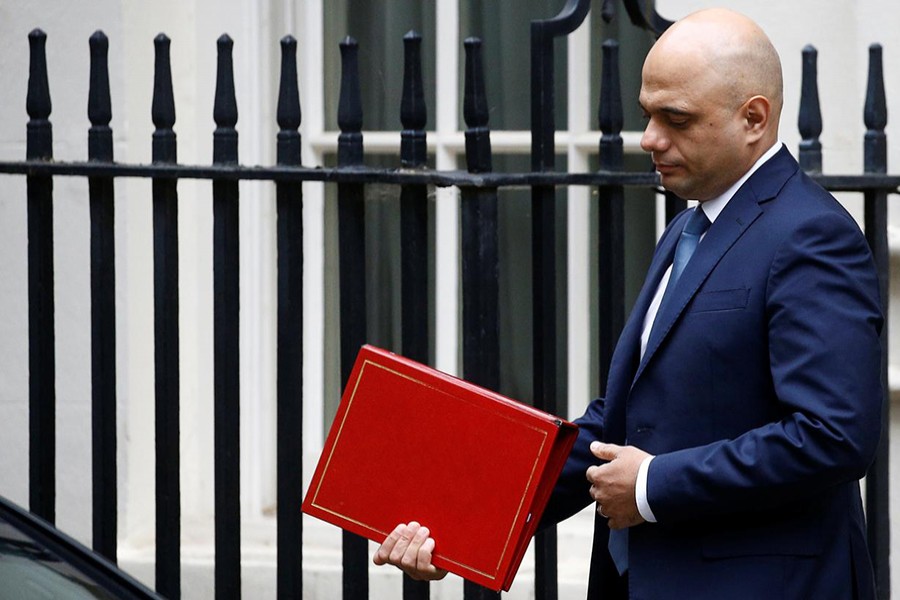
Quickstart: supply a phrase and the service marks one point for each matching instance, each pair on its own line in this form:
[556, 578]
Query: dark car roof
[37, 561]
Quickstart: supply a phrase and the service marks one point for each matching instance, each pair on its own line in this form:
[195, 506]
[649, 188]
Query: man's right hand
[409, 547]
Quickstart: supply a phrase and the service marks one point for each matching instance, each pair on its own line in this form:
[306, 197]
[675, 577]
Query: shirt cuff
[640, 491]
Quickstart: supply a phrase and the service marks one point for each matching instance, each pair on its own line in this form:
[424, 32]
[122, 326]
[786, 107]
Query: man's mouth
[664, 168]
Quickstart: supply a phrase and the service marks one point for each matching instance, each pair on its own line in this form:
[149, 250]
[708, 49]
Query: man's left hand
[612, 484]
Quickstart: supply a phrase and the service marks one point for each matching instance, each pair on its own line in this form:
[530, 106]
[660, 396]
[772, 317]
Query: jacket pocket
[721, 300]
[797, 534]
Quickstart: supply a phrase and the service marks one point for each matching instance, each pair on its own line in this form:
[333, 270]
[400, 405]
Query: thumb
[605, 451]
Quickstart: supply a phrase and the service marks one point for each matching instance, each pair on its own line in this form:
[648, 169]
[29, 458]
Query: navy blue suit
[760, 397]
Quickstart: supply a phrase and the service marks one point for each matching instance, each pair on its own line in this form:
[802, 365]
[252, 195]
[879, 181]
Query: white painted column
[310, 61]
[578, 222]
[447, 288]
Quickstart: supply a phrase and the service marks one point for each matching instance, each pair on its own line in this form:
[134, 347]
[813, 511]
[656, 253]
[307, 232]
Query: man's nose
[652, 140]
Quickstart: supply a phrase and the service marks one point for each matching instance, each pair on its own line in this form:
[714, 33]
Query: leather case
[410, 443]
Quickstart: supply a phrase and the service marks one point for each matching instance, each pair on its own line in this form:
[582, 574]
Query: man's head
[712, 93]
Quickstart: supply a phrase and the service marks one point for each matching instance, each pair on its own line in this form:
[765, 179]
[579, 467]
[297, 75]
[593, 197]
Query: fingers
[613, 483]
[411, 548]
[383, 554]
[605, 451]
[405, 553]
[423, 556]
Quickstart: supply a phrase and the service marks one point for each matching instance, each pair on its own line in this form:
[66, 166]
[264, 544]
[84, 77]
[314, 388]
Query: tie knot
[697, 223]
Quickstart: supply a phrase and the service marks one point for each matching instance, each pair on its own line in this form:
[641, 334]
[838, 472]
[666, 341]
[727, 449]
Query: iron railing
[479, 258]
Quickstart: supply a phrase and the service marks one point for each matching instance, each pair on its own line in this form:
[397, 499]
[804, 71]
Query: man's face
[695, 132]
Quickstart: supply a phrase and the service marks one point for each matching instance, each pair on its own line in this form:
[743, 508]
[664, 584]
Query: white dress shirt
[712, 208]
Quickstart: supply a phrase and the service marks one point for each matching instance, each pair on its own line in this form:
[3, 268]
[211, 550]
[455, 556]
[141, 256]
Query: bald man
[744, 395]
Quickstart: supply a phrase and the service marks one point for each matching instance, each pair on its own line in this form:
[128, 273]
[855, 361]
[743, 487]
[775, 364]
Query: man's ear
[757, 111]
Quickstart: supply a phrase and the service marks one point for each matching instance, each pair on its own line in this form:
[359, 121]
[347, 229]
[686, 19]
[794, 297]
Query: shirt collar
[714, 207]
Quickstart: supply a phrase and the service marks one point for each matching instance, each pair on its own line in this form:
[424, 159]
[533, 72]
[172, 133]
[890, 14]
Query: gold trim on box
[503, 554]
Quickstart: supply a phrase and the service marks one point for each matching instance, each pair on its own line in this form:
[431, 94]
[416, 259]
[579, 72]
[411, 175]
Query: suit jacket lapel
[624, 361]
[739, 214]
[630, 338]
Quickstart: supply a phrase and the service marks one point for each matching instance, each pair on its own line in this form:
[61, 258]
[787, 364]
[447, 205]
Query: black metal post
[673, 205]
[611, 211]
[289, 201]
[478, 225]
[543, 232]
[226, 345]
[642, 13]
[414, 230]
[165, 319]
[479, 253]
[809, 121]
[414, 205]
[103, 306]
[352, 263]
[611, 254]
[41, 337]
[876, 224]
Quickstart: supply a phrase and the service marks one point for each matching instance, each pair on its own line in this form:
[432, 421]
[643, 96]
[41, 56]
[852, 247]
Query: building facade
[841, 30]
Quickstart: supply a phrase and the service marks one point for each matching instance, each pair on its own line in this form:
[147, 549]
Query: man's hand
[612, 484]
[409, 547]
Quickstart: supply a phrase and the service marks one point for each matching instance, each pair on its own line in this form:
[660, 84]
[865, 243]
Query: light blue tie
[618, 549]
[697, 224]
[693, 230]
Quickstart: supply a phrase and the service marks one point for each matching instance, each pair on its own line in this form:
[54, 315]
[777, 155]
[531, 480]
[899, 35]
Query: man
[744, 396]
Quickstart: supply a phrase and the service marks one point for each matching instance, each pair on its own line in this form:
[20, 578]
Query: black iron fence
[479, 258]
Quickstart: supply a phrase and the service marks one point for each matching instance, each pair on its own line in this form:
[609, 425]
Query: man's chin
[673, 184]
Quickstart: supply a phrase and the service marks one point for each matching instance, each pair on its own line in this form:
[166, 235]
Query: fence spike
[876, 105]
[475, 111]
[608, 12]
[413, 112]
[225, 112]
[809, 120]
[99, 102]
[288, 112]
[610, 112]
[350, 113]
[37, 102]
[163, 105]
[875, 115]
[289, 115]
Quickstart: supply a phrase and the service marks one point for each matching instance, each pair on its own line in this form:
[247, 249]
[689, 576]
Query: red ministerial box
[410, 443]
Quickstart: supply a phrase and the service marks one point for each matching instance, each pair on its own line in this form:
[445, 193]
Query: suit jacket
[760, 395]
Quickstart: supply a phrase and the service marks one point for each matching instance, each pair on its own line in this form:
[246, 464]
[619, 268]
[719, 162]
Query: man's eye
[678, 123]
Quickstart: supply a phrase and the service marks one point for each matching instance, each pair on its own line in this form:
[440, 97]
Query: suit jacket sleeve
[824, 322]
[571, 492]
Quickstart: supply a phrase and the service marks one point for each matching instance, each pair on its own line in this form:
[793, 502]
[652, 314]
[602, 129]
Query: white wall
[68, 26]
[193, 27]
